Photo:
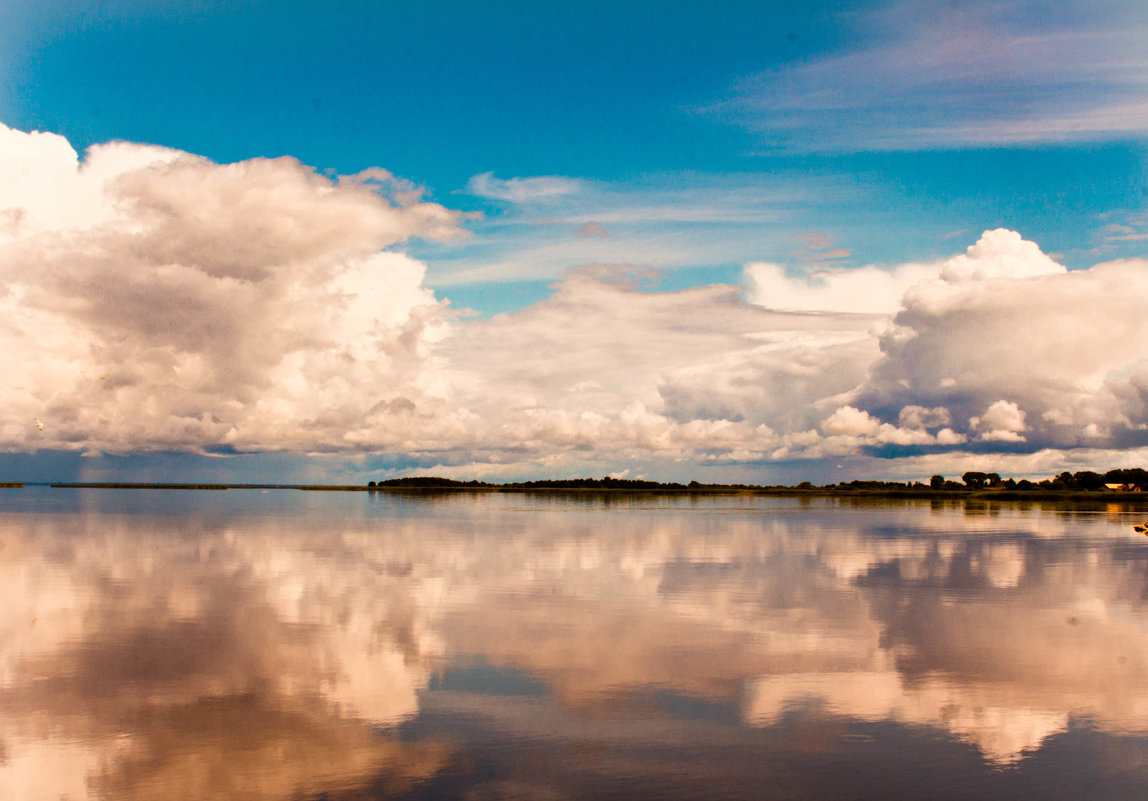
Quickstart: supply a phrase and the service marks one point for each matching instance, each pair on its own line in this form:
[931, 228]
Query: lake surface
[306, 645]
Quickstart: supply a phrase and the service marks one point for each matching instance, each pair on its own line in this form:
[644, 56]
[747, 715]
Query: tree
[1135, 476]
[1064, 481]
[1088, 480]
[937, 481]
[974, 479]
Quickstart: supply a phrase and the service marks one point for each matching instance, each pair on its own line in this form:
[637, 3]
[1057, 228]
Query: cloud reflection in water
[338, 644]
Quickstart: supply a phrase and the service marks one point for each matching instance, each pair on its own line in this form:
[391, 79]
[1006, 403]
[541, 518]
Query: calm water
[291, 645]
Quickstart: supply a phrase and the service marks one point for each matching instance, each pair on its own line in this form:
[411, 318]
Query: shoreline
[907, 493]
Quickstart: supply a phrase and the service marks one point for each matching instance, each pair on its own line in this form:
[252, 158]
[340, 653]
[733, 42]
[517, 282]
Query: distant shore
[410, 487]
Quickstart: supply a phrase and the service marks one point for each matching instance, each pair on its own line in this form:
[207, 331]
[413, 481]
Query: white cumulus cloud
[1003, 422]
[864, 290]
[1064, 349]
[153, 300]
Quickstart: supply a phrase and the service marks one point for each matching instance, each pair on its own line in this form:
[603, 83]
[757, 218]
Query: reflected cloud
[280, 653]
[228, 658]
[1002, 733]
[234, 748]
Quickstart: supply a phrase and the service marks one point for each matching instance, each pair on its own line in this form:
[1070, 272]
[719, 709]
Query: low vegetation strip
[1118, 482]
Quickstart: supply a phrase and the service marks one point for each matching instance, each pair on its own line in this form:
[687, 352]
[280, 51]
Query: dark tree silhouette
[974, 479]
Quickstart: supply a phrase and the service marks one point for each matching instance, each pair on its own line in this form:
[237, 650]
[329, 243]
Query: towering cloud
[1010, 342]
[153, 299]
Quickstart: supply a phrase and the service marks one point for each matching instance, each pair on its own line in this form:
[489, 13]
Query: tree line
[433, 482]
[1082, 481]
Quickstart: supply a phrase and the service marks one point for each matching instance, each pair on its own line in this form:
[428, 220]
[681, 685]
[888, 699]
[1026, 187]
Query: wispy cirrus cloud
[522, 190]
[594, 229]
[981, 74]
[669, 221]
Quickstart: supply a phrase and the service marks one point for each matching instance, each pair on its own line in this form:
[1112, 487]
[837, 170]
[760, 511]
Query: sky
[763, 242]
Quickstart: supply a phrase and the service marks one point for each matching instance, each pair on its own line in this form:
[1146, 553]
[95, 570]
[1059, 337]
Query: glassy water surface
[294, 645]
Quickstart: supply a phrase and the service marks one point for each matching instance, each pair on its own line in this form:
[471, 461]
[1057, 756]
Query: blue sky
[696, 141]
[637, 100]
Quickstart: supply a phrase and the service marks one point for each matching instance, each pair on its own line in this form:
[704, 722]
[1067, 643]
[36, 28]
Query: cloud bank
[998, 349]
[153, 300]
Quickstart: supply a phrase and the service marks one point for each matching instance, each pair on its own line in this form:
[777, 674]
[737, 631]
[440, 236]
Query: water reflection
[300, 645]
